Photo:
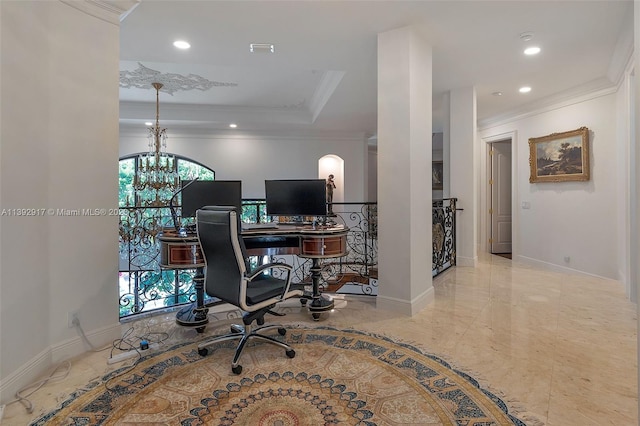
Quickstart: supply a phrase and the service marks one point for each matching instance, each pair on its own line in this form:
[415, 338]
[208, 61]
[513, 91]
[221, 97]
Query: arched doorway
[333, 165]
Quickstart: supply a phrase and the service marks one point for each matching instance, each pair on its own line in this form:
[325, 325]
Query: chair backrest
[223, 251]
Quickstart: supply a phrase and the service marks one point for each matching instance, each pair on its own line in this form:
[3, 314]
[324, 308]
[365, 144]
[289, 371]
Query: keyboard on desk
[268, 225]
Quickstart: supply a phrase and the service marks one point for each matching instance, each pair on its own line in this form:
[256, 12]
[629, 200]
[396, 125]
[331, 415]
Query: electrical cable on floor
[128, 344]
[24, 400]
[76, 324]
[118, 343]
[34, 387]
[123, 371]
[154, 337]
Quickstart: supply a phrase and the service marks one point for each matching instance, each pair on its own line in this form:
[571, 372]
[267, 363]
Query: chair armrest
[287, 280]
[267, 266]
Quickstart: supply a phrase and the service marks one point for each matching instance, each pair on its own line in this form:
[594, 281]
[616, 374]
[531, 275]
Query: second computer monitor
[296, 197]
[200, 193]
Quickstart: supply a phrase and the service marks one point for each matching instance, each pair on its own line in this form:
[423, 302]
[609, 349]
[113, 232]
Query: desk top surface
[281, 229]
[296, 229]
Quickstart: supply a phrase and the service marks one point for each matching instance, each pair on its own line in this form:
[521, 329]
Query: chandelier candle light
[157, 175]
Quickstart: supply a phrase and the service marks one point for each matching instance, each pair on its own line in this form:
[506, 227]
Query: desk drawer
[324, 246]
[180, 252]
[271, 245]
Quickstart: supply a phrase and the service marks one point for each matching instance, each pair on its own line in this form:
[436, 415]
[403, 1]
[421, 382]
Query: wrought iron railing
[145, 287]
[357, 271]
[443, 214]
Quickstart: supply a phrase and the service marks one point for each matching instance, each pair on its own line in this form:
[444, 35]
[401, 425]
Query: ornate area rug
[337, 377]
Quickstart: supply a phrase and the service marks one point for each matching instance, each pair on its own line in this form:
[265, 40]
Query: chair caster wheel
[303, 302]
[316, 317]
[237, 369]
[291, 353]
[200, 329]
[203, 351]
[282, 331]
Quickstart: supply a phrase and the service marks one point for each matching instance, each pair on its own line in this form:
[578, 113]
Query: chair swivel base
[244, 333]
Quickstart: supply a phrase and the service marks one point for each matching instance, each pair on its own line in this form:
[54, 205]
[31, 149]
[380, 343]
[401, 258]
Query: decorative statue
[330, 187]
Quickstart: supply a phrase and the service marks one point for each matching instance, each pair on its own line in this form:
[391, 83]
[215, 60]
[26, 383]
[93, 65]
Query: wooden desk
[312, 242]
[321, 242]
[182, 251]
[307, 241]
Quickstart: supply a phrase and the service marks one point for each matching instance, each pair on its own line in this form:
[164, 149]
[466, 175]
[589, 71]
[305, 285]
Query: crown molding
[328, 84]
[112, 11]
[620, 65]
[591, 90]
[135, 131]
[622, 53]
[212, 114]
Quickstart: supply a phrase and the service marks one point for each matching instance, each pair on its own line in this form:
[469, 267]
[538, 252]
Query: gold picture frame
[560, 157]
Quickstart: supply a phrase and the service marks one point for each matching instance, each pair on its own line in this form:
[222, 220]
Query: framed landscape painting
[560, 157]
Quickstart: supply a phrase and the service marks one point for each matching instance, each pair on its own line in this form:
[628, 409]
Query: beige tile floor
[559, 349]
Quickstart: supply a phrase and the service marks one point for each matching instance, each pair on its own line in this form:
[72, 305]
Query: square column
[635, 197]
[404, 171]
[462, 172]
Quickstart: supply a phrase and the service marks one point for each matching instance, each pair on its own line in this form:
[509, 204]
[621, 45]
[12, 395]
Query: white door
[501, 197]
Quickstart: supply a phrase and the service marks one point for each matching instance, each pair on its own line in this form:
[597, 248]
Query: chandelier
[156, 177]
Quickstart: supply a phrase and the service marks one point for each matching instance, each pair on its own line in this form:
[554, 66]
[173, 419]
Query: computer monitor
[296, 197]
[200, 193]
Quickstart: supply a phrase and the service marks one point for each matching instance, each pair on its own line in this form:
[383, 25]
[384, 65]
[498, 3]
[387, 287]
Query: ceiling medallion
[143, 77]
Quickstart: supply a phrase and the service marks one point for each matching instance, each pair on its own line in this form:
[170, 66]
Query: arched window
[143, 285]
[128, 167]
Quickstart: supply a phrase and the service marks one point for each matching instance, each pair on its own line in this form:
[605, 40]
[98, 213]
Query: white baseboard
[33, 370]
[77, 346]
[406, 307]
[467, 261]
[556, 268]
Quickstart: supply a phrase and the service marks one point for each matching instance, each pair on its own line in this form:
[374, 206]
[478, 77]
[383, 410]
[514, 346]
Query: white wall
[59, 111]
[253, 158]
[372, 174]
[575, 219]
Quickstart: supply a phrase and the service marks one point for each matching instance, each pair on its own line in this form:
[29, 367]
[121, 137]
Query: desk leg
[195, 314]
[318, 303]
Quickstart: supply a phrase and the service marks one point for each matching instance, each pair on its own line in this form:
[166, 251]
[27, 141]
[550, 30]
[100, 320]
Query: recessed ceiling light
[181, 44]
[533, 50]
[148, 123]
[525, 89]
[233, 125]
[497, 93]
[261, 48]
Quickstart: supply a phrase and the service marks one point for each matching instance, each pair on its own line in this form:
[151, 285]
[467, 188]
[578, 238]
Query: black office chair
[228, 277]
